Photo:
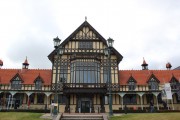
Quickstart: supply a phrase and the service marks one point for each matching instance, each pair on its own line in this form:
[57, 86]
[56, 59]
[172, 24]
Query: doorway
[85, 106]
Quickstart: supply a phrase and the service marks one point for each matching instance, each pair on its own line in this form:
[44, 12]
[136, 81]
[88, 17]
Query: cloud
[140, 29]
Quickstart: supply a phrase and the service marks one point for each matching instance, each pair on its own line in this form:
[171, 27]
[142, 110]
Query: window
[105, 74]
[38, 84]
[85, 45]
[85, 71]
[16, 83]
[62, 99]
[153, 85]
[63, 71]
[40, 98]
[106, 100]
[173, 83]
[129, 99]
[132, 85]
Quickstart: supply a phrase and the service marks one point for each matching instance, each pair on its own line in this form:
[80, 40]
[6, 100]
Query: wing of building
[86, 78]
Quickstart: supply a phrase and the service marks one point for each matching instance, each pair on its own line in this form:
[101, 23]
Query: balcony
[101, 87]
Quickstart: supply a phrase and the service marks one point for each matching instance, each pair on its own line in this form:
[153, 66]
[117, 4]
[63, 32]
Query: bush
[22, 110]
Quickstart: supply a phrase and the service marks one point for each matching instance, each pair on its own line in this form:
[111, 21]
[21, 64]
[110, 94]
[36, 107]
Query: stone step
[82, 117]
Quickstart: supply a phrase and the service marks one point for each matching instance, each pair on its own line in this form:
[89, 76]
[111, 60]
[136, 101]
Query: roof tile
[142, 76]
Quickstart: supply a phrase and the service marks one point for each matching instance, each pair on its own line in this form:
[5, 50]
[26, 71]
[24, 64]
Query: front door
[85, 106]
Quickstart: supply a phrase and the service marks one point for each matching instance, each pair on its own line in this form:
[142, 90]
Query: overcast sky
[140, 28]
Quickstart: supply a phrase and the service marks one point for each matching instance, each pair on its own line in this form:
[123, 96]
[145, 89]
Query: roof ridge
[10, 68]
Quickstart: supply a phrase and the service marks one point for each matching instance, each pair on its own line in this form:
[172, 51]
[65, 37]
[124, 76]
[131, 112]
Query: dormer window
[38, 84]
[153, 84]
[132, 84]
[173, 83]
[16, 83]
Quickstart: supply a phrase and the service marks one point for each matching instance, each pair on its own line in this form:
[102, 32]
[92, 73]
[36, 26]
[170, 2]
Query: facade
[84, 79]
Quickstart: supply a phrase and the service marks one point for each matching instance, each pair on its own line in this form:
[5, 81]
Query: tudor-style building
[83, 77]
[83, 70]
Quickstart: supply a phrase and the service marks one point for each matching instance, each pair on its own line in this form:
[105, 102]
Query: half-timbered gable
[83, 60]
[83, 67]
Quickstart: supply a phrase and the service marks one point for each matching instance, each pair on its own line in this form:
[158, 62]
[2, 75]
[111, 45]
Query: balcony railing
[77, 50]
[84, 85]
[60, 87]
[22, 87]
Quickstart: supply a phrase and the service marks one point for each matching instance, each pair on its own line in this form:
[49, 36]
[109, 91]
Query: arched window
[153, 84]
[16, 83]
[38, 84]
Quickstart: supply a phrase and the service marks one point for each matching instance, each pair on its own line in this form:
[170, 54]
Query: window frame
[153, 84]
[174, 83]
[39, 85]
[85, 71]
[85, 45]
[16, 83]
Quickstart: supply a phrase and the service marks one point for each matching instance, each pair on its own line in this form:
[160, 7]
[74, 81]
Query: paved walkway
[47, 116]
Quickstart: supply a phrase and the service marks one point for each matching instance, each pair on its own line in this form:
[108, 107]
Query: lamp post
[107, 52]
[58, 51]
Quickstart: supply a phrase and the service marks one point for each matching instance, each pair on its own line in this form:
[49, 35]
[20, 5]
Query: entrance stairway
[82, 117]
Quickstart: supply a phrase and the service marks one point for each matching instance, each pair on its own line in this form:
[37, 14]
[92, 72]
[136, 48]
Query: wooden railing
[84, 85]
[22, 87]
[60, 87]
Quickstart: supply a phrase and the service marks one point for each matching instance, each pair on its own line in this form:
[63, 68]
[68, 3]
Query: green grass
[148, 116]
[20, 116]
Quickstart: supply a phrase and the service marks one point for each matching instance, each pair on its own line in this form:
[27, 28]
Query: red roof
[142, 76]
[28, 76]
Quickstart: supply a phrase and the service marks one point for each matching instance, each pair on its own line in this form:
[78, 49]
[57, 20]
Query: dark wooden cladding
[84, 90]
[85, 85]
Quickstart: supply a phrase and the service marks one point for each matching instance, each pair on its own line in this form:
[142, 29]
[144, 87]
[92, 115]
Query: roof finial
[85, 18]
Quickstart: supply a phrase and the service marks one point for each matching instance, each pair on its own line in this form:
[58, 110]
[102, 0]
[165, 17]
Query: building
[85, 78]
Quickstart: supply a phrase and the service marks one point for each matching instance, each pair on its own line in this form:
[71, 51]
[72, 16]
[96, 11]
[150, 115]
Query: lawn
[20, 116]
[148, 116]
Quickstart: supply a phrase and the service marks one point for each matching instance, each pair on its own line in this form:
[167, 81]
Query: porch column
[122, 95]
[11, 99]
[28, 94]
[47, 95]
[172, 101]
[141, 94]
[156, 94]
[172, 104]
